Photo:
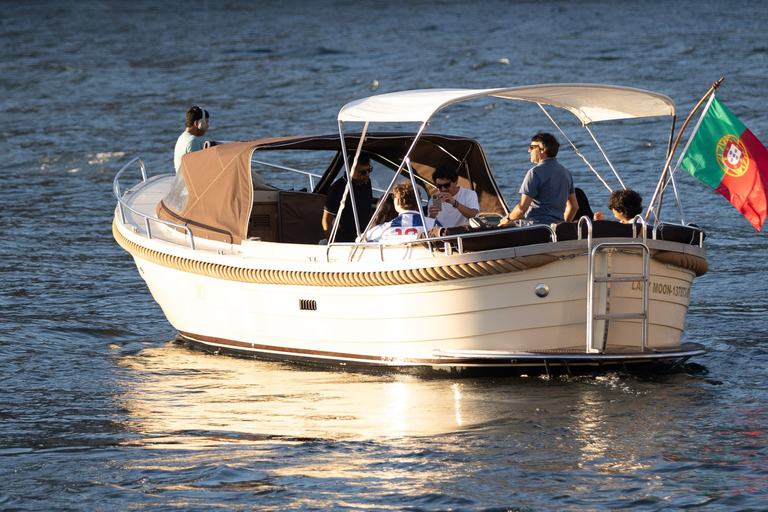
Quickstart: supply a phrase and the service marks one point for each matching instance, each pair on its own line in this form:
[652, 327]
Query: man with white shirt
[456, 204]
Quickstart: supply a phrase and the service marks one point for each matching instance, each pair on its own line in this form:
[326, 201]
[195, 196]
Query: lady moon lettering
[665, 289]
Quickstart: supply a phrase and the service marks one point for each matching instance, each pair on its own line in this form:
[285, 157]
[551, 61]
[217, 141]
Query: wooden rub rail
[350, 279]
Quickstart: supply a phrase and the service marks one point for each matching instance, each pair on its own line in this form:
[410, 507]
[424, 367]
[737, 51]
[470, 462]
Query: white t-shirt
[449, 216]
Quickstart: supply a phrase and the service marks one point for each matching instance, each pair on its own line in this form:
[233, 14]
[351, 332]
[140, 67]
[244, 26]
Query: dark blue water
[99, 410]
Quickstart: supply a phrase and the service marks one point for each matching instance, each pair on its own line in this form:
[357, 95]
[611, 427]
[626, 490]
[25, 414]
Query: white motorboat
[237, 267]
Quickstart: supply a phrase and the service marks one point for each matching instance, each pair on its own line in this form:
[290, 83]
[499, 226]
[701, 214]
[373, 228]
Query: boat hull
[491, 321]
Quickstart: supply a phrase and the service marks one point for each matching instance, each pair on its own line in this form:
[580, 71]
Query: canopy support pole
[348, 172]
[406, 161]
[579, 152]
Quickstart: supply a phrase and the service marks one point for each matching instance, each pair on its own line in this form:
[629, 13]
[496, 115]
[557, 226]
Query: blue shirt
[549, 184]
[186, 143]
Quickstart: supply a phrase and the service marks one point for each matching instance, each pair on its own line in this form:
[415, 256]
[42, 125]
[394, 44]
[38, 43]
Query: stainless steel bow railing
[122, 205]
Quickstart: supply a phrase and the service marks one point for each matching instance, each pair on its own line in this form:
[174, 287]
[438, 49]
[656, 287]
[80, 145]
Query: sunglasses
[535, 146]
[366, 170]
[443, 185]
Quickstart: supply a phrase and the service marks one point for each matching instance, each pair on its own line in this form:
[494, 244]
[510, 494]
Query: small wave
[327, 51]
[102, 158]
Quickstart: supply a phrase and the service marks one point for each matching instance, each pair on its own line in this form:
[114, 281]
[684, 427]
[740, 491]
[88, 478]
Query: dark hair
[627, 202]
[446, 172]
[194, 114]
[362, 159]
[584, 209]
[549, 141]
[403, 191]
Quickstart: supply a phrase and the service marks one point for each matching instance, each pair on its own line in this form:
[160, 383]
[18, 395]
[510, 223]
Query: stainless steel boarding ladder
[593, 346]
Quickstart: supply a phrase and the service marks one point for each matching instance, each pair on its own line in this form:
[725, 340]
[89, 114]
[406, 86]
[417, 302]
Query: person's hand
[447, 198]
[433, 211]
[504, 221]
[599, 216]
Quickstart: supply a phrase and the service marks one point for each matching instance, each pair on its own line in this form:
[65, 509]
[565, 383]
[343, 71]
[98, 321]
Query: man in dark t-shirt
[361, 187]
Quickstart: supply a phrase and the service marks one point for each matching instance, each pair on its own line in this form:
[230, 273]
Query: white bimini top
[589, 102]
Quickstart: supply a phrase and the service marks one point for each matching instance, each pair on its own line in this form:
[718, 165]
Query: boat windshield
[177, 196]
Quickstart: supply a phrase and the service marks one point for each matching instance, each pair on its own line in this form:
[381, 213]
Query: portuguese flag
[725, 155]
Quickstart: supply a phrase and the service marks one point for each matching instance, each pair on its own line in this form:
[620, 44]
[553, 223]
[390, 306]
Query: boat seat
[691, 235]
[600, 229]
[495, 238]
[567, 231]
[300, 217]
[287, 216]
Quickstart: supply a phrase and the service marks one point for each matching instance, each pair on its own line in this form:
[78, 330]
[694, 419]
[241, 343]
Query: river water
[100, 410]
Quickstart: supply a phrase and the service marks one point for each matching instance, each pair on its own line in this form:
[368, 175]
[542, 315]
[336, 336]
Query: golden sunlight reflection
[457, 402]
[176, 393]
[601, 446]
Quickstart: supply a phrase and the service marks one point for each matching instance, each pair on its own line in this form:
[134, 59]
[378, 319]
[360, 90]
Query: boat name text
[665, 289]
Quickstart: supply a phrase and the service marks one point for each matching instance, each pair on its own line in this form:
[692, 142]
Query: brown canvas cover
[218, 181]
[220, 194]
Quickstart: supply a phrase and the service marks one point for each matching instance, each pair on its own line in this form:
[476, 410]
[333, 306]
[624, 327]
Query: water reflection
[175, 391]
[612, 425]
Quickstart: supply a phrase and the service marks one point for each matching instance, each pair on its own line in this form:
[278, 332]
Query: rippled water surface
[100, 410]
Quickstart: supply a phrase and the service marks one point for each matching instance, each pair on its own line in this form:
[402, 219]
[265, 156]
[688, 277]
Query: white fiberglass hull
[488, 320]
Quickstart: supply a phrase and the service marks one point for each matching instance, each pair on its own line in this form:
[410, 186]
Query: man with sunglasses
[361, 187]
[547, 195]
[458, 204]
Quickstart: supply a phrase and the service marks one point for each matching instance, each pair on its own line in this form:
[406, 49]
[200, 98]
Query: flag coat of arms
[725, 155]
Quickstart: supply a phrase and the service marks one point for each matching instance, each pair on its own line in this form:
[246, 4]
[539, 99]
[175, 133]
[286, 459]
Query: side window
[304, 168]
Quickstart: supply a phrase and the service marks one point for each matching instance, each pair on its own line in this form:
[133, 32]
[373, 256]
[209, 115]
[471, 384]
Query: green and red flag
[725, 155]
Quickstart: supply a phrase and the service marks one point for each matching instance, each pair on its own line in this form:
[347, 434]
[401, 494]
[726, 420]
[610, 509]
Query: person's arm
[518, 212]
[571, 207]
[328, 218]
[466, 211]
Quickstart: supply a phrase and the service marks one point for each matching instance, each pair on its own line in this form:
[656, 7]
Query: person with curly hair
[408, 224]
[626, 205]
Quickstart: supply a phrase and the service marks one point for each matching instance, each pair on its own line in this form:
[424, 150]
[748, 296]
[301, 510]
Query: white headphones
[202, 123]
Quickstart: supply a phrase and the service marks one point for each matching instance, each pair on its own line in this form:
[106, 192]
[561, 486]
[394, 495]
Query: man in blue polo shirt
[547, 195]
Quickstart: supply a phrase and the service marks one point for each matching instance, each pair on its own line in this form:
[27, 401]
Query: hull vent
[260, 221]
[307, 305]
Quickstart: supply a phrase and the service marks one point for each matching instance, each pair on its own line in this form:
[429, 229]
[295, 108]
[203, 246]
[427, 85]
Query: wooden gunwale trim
[334, 279]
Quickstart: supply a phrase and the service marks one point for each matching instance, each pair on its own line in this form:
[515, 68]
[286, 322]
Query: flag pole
[659, 187]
